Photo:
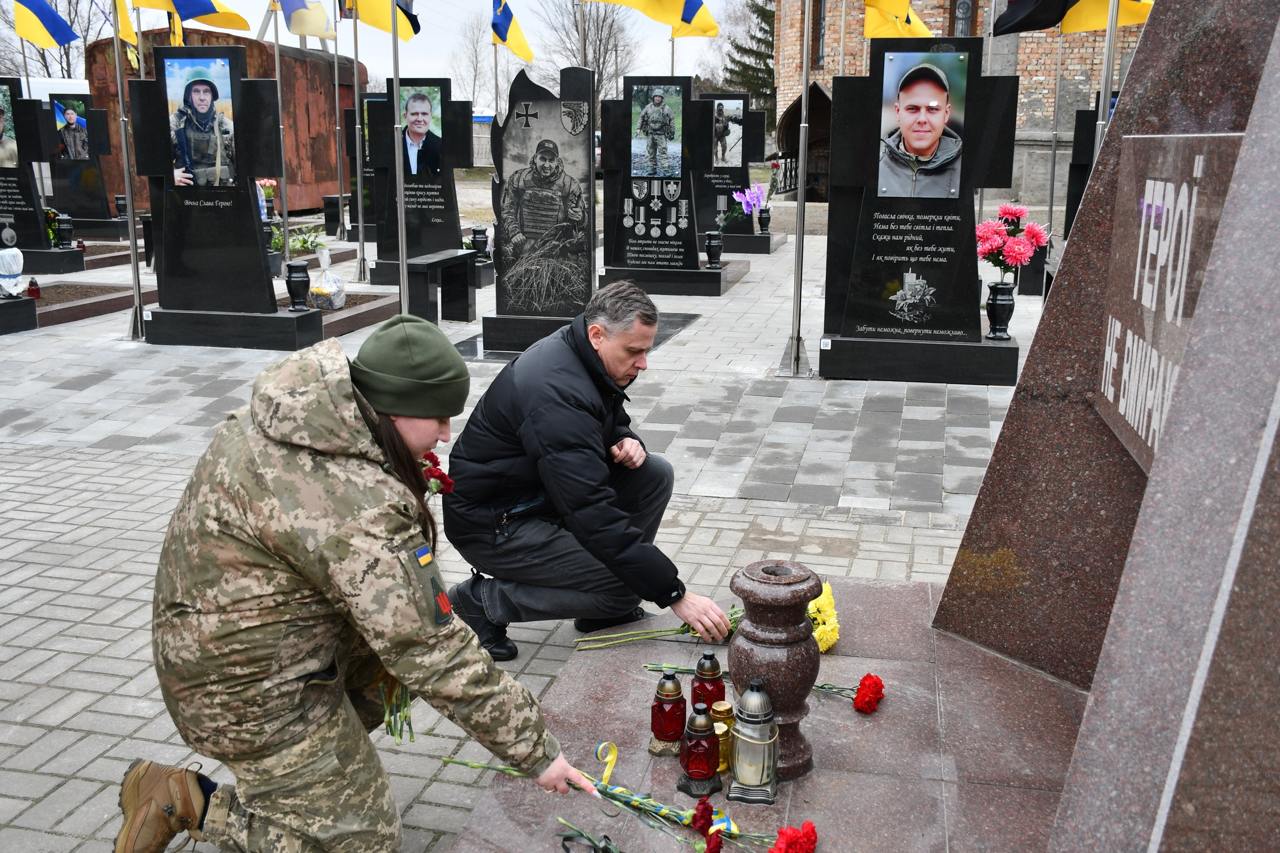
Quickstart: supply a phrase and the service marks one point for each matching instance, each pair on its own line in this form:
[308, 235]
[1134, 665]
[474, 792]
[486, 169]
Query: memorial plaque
[19, 206]
[1169, 198]
[77, 180]
[729, 173]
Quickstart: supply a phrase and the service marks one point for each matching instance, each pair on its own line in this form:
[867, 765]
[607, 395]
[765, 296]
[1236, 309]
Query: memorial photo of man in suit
[73, 135]
[421, 142]
[200, 127]
[920, 156]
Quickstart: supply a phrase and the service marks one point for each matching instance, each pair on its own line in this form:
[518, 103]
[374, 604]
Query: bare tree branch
[472, 57]
[611, 48]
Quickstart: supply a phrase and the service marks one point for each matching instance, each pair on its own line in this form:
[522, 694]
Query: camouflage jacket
[292, 550]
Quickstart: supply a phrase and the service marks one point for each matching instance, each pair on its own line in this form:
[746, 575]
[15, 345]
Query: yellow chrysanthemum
[826, 624]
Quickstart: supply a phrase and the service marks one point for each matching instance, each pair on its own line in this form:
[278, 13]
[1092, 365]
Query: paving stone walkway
[99, 434]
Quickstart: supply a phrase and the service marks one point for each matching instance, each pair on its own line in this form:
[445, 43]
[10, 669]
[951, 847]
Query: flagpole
[337, 112]
[582, 31]
[497, 90]
[1104, 95]
[844, 25]
[274, 9]
[26, 72]
[673, 56]
[137, 329]
[398, 133]
[137, 26]
[362, 265]
[1053, 145]
[795, 343]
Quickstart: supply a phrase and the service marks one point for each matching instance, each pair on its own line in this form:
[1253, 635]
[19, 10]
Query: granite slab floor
[99, 434]
[967, 751]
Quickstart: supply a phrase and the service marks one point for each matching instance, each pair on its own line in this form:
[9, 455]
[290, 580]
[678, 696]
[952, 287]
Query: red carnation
[431, 459]
[714, 842]
[702, 816]
[792, 840]
[870, 692]
[774, 164]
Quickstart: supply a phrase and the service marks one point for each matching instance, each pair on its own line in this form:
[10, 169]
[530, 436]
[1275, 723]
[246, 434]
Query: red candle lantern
[708, 685]
[700, 755]
[666, 716]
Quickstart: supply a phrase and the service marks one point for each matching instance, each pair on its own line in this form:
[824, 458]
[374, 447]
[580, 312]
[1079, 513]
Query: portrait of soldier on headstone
[920, 152]
[200, 125]
[655, 141]
[726, 133]
[8, 141]
[544, 219]
[421, 142]
[73, 134]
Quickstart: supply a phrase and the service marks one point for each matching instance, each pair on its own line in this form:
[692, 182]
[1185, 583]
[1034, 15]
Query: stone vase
[999, 309]
[763, 216]
[774, 642]
[714, 245]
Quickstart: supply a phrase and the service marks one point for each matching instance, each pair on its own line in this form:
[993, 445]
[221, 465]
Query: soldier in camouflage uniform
[296, 583]
[542, 199]
[203, 139]
[659, 124]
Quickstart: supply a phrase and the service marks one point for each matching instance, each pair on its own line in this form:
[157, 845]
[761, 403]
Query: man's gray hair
[618, 305]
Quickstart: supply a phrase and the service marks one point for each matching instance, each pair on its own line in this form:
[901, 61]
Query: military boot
[158, 802]
[468, 604]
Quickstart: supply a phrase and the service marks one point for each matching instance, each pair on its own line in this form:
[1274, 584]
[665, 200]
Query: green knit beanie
[408, 367]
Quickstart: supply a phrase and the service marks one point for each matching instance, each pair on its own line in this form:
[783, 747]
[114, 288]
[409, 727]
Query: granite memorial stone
[903, 293]
[654, 142]
[544, 241]
[737, 141]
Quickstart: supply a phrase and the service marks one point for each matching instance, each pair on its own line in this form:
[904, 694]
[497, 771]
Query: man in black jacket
[557, 503]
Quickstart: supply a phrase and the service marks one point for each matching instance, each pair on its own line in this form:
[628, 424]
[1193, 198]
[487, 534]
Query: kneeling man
[557, 503]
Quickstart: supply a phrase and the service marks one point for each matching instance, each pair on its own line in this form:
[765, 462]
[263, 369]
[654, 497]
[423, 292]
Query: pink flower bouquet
[1005, 242]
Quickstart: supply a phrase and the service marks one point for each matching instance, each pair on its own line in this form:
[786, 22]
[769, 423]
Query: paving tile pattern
[98, 436]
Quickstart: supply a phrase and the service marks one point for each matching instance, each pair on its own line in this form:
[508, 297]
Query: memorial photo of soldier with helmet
[656, 121]
[201, 126]
[726, 132]
[922, 125]
[8, 136]
[542, 210]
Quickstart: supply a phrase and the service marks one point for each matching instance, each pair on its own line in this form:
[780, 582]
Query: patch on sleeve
[422, 556]
[444, 609]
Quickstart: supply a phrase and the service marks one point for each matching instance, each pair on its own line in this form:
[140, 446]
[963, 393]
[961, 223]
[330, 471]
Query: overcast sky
[428, 53]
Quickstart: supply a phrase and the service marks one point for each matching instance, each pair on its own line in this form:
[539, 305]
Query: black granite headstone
[543, 200]
[924, 131]
[431, 202]
[212, 269]
[78, 189]
[368, 177]
[654, 142]
[737, 141]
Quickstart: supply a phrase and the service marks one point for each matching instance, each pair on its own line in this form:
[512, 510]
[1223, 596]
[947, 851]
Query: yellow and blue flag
[377, 14]
[307, 18]
[37, 22]
[686, 17]
[423, 555]
[215, 13]
[893, 19]
[507, 32]
[126, 26]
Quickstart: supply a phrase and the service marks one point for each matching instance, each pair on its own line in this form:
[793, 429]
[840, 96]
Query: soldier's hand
[561, 776]
[703, 615]
[181, 178]
[628, 452]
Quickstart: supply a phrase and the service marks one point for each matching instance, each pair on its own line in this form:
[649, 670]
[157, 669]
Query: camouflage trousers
[326, 792]
[657, 151]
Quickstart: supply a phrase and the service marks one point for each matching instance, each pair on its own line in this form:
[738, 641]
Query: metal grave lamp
[755, 748]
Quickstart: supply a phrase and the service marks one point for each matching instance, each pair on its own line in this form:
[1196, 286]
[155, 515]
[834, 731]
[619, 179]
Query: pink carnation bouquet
[1005, 242]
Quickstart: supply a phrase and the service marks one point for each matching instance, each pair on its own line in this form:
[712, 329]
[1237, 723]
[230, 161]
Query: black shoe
[465, 599]
[587, 624]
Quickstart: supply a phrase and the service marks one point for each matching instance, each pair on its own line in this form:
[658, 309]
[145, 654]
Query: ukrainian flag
[889, 19]
[307, 18]
[126, 26]
[507, 32]
[36, 21]
[377, 14]
[686, 17]
[215, 13]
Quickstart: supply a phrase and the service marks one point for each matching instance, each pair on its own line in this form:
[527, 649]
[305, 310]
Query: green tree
[749, 63]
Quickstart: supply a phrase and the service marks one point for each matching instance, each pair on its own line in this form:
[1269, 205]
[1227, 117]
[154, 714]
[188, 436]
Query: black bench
[453, 273]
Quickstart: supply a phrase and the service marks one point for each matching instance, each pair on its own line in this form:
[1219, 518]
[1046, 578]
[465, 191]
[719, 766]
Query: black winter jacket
[543, 432]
